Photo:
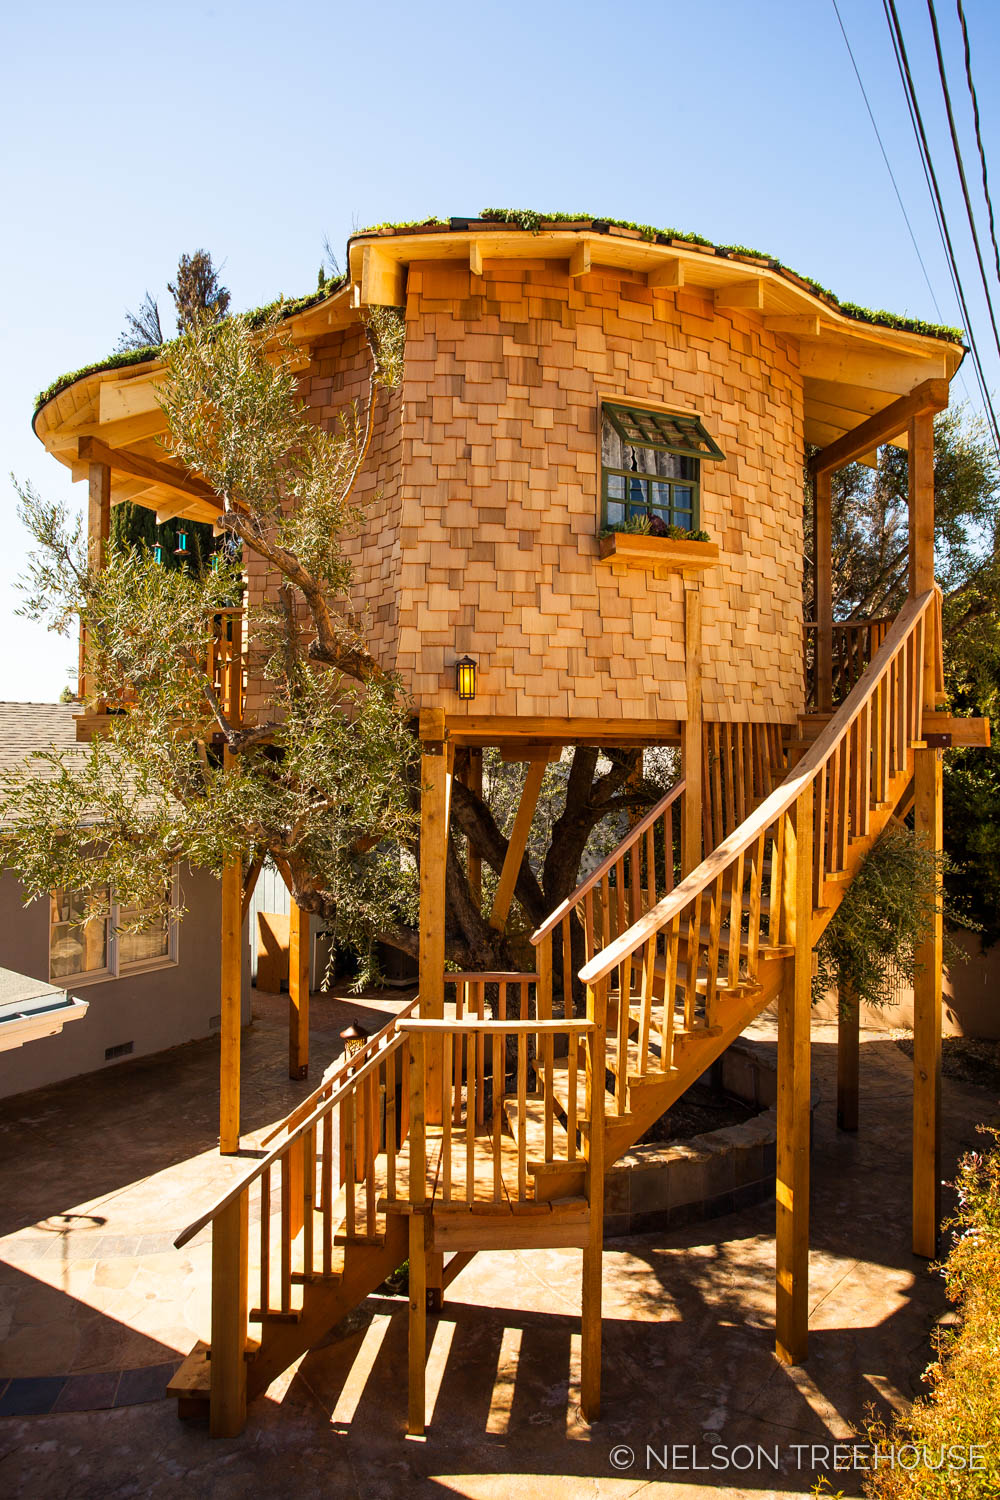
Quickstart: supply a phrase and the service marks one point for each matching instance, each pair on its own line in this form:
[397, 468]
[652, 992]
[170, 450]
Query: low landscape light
[353, 1038]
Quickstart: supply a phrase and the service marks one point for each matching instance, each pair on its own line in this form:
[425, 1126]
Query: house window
[77, 949]
[651, 466]
[98, 949]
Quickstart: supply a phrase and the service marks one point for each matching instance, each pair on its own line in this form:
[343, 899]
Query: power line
[979, 134]
[885, 158]
[961, 169]
[916, 120]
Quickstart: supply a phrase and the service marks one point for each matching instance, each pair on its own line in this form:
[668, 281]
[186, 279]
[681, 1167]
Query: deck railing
[852, 647]
[858, 764]
[225, 665]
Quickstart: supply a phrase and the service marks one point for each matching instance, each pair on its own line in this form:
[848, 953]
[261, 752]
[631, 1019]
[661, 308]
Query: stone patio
[97, 1308]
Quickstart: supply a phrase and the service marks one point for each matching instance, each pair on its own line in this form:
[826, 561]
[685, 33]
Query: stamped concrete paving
[98, 1175]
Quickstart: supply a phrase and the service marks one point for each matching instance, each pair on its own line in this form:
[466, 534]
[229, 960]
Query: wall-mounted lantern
[466, 674]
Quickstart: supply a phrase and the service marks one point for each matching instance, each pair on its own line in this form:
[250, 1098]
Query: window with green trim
[651, 466]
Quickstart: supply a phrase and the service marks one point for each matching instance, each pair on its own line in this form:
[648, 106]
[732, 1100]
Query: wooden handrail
[498, 976]
[511, 1027]
[596, 875]
[772, 808]
[295, 1133]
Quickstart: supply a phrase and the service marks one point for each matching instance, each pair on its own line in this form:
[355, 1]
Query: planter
[664, 554]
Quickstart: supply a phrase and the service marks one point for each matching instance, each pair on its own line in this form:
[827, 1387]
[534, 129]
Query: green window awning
[666, 432]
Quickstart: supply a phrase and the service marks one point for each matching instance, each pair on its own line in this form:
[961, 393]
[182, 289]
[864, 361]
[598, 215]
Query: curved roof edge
[530, 223]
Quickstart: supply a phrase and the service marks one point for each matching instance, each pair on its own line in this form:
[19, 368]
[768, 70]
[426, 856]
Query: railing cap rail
[278, 1151]
[772, 808]
[438, 1025]
[610, 860]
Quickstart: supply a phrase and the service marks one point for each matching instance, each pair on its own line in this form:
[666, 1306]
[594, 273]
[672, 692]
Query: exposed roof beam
[929, 396]
[92, 451]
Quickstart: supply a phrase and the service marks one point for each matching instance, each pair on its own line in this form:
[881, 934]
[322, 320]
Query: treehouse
[584, 526]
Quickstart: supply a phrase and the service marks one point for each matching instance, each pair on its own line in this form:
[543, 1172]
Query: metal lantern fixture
[181, 550]
[465, 678]
[353, 1038]
[158, 553]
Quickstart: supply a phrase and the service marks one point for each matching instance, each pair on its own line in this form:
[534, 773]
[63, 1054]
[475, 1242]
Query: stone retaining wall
[667, 1186]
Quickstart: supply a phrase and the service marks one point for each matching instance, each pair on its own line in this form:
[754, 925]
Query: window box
[671, 554]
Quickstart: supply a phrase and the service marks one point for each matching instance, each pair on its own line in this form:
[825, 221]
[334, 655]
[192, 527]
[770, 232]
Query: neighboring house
[144, 991]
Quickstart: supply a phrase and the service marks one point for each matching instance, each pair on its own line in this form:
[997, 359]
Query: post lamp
[465, 678]
[353, 1038]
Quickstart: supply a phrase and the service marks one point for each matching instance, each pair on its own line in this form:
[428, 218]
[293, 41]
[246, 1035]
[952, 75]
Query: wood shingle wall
[483, 538]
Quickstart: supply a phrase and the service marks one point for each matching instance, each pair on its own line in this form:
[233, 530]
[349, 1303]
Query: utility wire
[916, 120]
[979, 134]
[960, 164]
[885, 158]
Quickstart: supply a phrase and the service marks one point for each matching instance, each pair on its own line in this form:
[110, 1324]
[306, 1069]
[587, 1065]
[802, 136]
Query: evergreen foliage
[871, 943]
[962, 1409]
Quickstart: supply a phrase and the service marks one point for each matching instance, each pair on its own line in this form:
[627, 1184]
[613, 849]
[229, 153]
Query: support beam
[91, 450]
[928, 825]
[823, 565]
[474, 781]
[475, 258]
[383, 280]
[98, 515]
[747, 294]
[228, 1366]
[298, 991]
[579, 261]
[667, 277]
[794, 1005]
[921, 500]
[417, 1400]
[231, 1007]
[848, 1057]
[517, 844]
[593, 1255]
[434, 797]
[691, 733]
[924, 400]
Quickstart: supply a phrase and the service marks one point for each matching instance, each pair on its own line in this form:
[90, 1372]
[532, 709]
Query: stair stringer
[325, 1301]
[647, 1102]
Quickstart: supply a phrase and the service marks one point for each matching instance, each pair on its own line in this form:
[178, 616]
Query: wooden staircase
[492, 1126]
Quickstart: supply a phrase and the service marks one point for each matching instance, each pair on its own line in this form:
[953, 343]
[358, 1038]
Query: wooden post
[474, 781]
[227, 1367]
[416, 1084]
[921, 540]
[517, 844]
[417, 1403]
[231, 1006]
[298, 991]
[792, 1177]
[823, 566]
[848, 1057]
[691, 733]
[98, 515]
[433, 873]
[928, 825]
[590, 1300]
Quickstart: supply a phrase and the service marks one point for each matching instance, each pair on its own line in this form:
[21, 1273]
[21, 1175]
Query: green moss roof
[531, 221]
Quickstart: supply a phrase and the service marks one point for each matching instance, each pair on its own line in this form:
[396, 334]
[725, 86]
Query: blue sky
[132, 133]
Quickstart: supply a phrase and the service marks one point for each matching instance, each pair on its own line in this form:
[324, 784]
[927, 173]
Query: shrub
[963, 1406]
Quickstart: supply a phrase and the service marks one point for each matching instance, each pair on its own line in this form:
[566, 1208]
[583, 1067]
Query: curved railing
[858, 764]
